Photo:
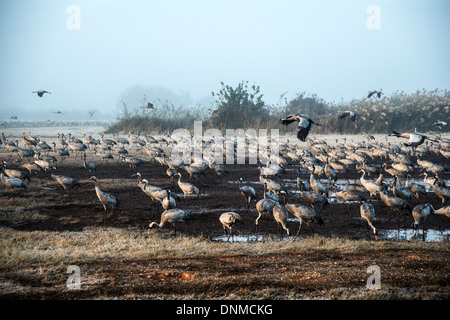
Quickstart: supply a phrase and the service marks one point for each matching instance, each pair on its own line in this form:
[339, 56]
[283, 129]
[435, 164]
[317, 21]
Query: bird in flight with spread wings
[40, 93]
[415, 138]
[378, 93]
[304, 124]
[348, 113]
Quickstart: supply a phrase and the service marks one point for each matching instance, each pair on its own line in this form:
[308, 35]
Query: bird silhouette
[348, 113]
[148, 106]
[439, 123]
[304, 124]
[415, 138]
[378, 93]
[40, 93]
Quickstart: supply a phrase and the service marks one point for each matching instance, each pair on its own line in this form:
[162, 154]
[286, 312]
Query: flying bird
[57, 112]
[348, 113]
[91, 113]
[304, 124]
[415, 138]
[440, 123]
[40, 93]
[148, 106]
[378, 93]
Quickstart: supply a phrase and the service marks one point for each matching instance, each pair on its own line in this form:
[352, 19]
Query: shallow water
[250, 238]
[430, 235]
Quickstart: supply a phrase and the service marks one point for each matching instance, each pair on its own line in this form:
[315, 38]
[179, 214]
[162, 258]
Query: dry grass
[21, 249]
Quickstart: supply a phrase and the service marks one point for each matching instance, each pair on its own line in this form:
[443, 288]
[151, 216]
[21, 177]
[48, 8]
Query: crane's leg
[257, 221]
[299, 229]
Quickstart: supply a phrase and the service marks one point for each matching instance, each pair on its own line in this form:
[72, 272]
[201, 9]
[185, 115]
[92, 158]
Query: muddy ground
[411, 274]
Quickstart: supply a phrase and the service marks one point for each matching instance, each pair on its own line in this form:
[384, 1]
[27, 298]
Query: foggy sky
[189, 47]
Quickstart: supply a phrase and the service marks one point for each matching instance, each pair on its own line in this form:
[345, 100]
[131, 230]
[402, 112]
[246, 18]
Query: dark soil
[285, 276]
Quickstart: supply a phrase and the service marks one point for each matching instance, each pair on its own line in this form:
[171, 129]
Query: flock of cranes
[371, 160]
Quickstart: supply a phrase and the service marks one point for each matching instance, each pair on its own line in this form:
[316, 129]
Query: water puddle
[250, 238]
[430, 235]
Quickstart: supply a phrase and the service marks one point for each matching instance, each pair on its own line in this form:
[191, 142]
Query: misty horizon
[91, 54]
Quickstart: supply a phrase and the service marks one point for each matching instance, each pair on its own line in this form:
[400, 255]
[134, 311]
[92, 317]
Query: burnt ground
[415, 273]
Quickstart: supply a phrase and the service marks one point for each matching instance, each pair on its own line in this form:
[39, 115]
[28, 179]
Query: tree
[308, 105]
[239, 107]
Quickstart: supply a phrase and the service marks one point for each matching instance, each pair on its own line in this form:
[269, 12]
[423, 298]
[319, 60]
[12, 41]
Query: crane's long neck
[155, 224]
[97, 189]
[362, 176]
[160, 225]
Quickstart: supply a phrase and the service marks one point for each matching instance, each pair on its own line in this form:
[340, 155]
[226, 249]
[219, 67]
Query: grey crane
[415, 138]
[248, 193]
[420, 214]
[14, 173]
[314, 198]
[372, 187]
[367, 212]
[349, 195]
[442, 192]
[445, 211]
[263, 206]
[416, 188]
[133, 162]
[401, 192]
[186, 187]
[171, 172]
[107, 200]
[440, 123]
[394, 203]
[168, 202]
[33, 167]
[330, 173]
[281, 215]
[304, 214]
[11, 182]
[65, 181]
[278, 197]
[109, 142]
[304, 124]
[28, 141]
[172, 217]
[375, 92]
[40, 92]
[272, 185]
[193, 171]
[61, 152]
[88, 165]
[348, 113]
[228, 220]
[148, 106]
[317, 186]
